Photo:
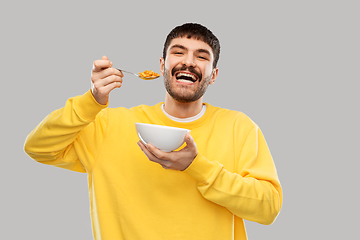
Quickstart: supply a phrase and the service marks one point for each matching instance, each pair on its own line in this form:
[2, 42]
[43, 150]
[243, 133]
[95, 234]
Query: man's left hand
[176, 160]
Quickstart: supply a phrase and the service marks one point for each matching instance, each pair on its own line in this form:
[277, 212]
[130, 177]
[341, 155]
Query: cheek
[172, 62]
[169, 64]
[207, 71]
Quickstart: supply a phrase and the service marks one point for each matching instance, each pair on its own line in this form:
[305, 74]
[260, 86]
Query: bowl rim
[162, 126]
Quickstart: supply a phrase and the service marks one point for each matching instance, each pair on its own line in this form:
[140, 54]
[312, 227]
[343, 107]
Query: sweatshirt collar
[189, 125]
[184, 120]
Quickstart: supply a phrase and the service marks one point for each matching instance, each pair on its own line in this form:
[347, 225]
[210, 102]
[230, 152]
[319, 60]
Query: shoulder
[123, 112]
[236, 117]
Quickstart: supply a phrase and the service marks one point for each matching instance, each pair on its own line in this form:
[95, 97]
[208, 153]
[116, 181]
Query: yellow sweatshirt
[232, 178]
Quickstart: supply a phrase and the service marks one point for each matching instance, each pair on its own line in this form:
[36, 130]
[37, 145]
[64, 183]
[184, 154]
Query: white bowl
[165, 138]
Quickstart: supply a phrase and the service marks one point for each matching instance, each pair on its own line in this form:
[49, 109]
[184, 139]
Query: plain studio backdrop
[291, 66]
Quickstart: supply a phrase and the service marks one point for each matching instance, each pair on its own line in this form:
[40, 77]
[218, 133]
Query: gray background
[292, 66]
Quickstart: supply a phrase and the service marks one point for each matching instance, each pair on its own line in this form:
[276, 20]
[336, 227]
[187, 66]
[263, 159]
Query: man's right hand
[104, 79]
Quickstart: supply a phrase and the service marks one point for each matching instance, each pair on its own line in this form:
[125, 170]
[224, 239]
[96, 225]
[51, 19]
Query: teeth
[186, 75]
[183, 80]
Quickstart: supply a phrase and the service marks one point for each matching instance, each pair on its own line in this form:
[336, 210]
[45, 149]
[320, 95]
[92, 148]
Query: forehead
[190, 44]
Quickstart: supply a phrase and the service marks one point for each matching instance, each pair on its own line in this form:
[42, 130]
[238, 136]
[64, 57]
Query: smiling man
[204, 190]
[190, 60]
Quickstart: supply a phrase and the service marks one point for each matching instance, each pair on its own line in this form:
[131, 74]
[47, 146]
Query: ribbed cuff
[203, 169]
[87, 107]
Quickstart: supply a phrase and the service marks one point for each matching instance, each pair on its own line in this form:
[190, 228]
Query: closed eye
[177, 53]
[203, 54]
[203, 58]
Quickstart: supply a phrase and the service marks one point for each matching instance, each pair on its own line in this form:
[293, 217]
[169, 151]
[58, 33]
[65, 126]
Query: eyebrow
[178, 46]
[201, 50]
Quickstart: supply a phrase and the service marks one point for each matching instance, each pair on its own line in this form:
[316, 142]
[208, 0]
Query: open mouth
[186, 77]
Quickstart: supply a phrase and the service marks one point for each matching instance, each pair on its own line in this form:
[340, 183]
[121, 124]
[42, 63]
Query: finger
[109, 87]
[111, 79]
[98, 76]
[106, 58]
[150, 155]
[145, 149]
[106, 85]
[158, 153]
[101, 64]
[165, 167]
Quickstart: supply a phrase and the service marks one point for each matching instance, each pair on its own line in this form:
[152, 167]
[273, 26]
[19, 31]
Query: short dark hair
[197, 31]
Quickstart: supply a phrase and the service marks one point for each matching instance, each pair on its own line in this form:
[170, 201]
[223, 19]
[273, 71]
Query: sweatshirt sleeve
[60, 139]
[253, 192]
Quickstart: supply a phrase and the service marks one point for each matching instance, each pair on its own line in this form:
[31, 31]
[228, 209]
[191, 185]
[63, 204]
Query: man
[223, 175]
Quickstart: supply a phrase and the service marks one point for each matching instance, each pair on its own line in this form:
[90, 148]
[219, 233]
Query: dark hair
[197, 31]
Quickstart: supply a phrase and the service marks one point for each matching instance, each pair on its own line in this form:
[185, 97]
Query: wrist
[202, 169]
[87, 106]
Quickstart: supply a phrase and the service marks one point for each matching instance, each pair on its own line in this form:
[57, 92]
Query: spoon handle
[127, 72]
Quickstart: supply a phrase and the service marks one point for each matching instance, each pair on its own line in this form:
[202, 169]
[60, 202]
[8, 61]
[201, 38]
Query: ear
[162, 64]
[214, 75]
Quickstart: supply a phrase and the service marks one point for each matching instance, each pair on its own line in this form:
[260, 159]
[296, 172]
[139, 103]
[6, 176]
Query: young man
[223, 175]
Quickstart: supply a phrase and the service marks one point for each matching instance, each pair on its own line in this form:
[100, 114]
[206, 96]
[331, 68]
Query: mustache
[189, 69]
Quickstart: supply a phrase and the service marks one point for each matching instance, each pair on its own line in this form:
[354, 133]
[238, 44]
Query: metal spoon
[144, 78]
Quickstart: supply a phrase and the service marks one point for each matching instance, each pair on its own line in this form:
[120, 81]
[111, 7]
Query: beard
[182, 93]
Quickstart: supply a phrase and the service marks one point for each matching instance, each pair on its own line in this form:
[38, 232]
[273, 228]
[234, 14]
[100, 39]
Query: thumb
[106, 58]
[190, 141]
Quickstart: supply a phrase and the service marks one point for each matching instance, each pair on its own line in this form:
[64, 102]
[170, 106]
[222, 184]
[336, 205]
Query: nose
[189, 61]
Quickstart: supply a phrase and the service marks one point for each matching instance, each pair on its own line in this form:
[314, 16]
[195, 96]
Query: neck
[182, 110]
